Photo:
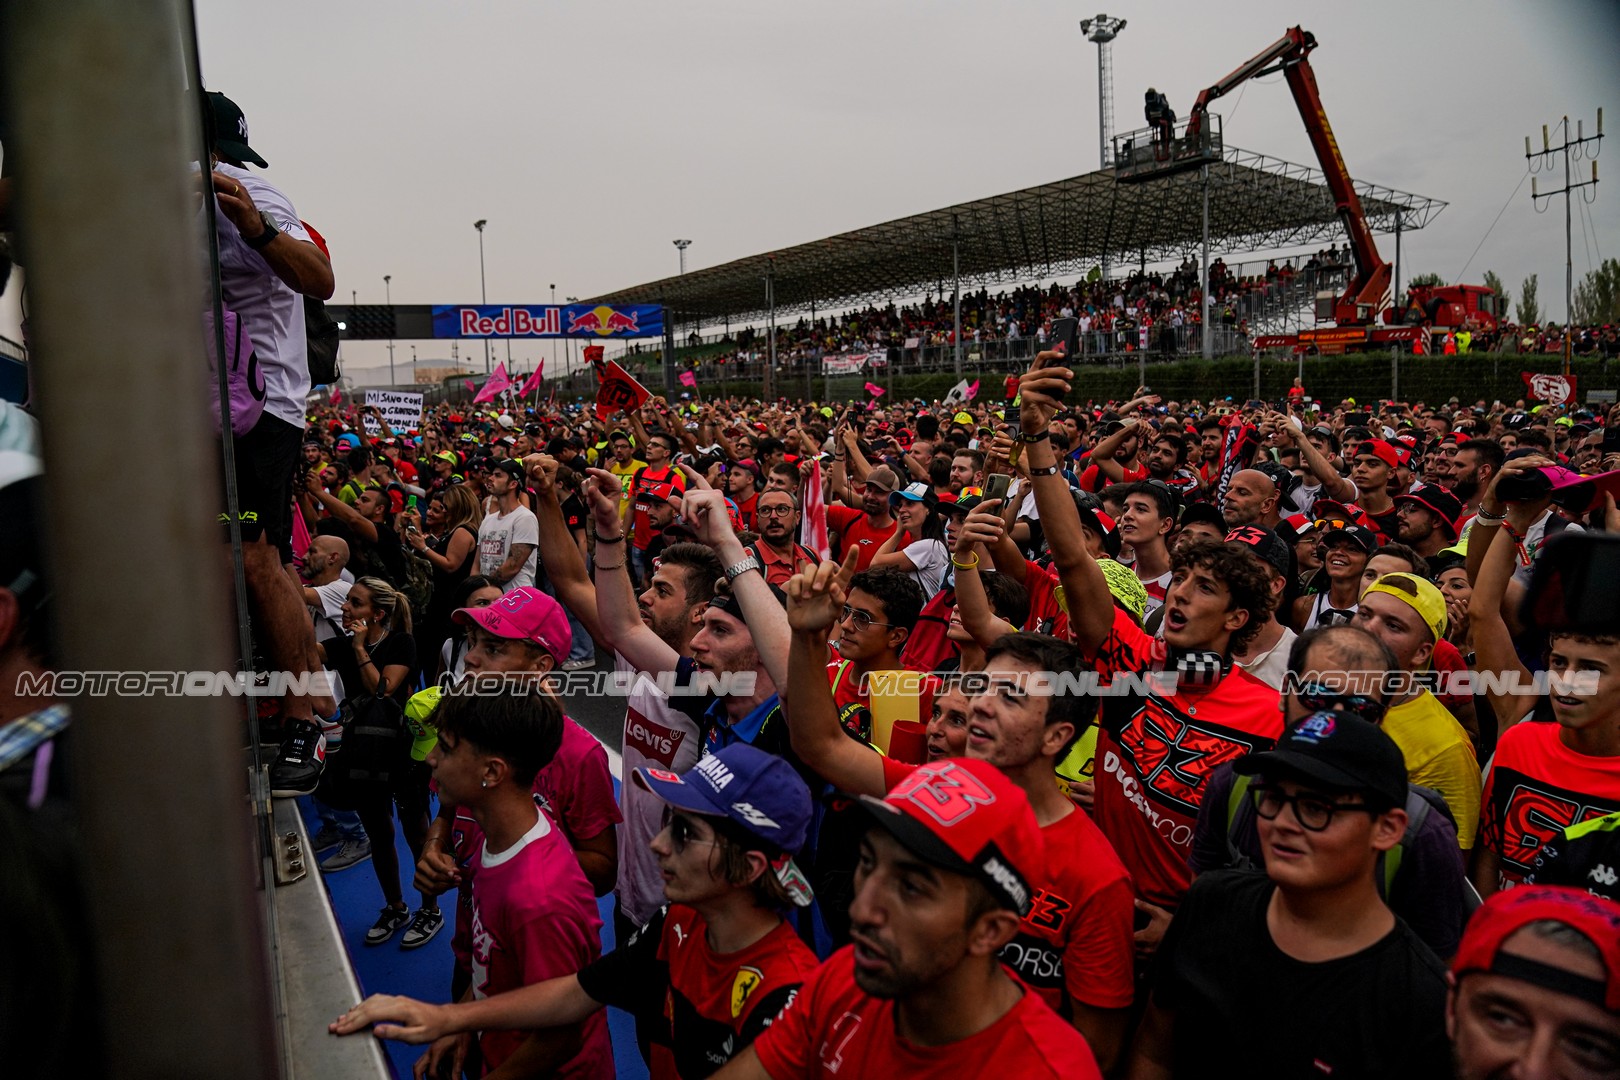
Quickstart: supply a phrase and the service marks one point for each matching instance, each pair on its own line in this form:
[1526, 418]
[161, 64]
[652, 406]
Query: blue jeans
[346, 822]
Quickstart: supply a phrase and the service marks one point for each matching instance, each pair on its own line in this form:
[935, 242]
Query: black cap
[1337, 750]
[1364, 538]
[510, 467]
[231, 132]
[1265, 543]
[1208, 513]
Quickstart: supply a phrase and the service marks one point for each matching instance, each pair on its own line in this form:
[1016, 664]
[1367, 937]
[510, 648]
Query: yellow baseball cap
[1419, 594]
[963, 418]
[418, 718]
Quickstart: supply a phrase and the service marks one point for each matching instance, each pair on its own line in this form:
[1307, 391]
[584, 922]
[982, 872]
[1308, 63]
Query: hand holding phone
[1066, 339]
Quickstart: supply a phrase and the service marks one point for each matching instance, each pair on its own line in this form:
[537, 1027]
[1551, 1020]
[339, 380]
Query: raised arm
[619, 617]
[982, 528]
[815, 600]
[565, 565]
[1090, 604]
[339, 509]
[1102, 455]
[767, 623]
[1498, 558]
[1333, 485]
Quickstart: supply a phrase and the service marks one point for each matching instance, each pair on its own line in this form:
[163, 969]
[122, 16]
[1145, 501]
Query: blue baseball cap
[760, 793]
[349, 442]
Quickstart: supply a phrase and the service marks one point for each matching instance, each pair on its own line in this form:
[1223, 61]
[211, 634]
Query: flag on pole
[688, 379]
[335, 395]
[496, 383]
[468, 383]
[619, 391]
[813, 525]
[973, 391]
[874, 389]
[533, 383]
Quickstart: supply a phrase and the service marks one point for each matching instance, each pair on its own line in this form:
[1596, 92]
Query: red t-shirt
[1092, 479]
[747, 512]
[1449, 658]
[835, 1029]
[1046, 615]
[852, 528]
[1155, 752]
[927, 646]
[1535, 787]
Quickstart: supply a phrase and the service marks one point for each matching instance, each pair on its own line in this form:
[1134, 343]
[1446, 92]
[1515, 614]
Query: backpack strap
[1418, 807]
[1235, 807]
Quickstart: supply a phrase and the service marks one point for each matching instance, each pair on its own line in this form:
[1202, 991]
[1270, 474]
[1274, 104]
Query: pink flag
[494, 385]
[688, 379]
[534, 381]
[813, 527]
[972, 391]
[468, 383]
[874, 389]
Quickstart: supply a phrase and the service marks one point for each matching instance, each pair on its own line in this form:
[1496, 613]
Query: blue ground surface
[424, 973]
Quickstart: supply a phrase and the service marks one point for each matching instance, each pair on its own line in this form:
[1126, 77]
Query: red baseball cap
[1506, 913]
[967, 817]
[1381, 450]
[524, 614]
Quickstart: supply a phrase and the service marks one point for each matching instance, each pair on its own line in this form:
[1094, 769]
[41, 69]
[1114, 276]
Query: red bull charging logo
[603, 321]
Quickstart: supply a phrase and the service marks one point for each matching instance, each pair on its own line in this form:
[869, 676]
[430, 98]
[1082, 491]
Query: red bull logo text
[545, 320]
[512, 322]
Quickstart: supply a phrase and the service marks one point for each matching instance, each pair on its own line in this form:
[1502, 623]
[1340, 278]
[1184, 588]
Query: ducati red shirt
[1155, 751]
[1535, 788]
[834, 1029]
[852, 528]
[1092, 479]
[1046, 615]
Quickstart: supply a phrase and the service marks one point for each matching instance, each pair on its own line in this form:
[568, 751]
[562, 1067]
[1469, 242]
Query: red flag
[335, 395]
[813, 525]
[874, 389]
[533, 383]
[1553, 389]
[618, 390]
[494, 385]
[1236, 453]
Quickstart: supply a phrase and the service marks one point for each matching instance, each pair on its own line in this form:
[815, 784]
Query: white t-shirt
[498, 533]
[656, 736]
[1270, 666]
[929, 560]
[273, 313]
[329, 621]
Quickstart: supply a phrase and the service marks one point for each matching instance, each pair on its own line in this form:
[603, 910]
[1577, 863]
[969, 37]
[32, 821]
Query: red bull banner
[547, 321]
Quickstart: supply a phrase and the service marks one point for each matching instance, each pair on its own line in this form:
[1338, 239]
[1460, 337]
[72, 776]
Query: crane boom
[1368, 291]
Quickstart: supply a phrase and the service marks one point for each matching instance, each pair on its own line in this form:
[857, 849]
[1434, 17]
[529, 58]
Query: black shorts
[266, 463]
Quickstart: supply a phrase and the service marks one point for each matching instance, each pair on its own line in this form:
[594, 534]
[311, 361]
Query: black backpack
[321, 340]
[373, 756]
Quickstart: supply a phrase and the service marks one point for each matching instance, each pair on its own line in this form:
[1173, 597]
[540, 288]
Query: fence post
[1257, 374]
[1395, 373]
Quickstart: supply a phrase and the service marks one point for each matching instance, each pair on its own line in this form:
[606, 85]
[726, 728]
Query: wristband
[1045, 470]
[1025, 437]
[1494, 519]
[974, 565]
[600, 539]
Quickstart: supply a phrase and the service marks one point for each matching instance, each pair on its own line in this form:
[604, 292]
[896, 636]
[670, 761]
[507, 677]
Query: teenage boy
[1156, 749]
[1075, 950]
[534, 914]
[715, 966]
[1364, 996]
[947, 869]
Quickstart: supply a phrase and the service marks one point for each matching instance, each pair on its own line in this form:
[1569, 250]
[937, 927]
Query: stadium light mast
[1103, 29]
[483, 289]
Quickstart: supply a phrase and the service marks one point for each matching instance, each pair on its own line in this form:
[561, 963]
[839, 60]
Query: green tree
[1597, 297]
[1528, 312]
[1494, 283]
[1426, 279]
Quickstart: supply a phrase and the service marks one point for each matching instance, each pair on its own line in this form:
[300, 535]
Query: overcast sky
[590, 135]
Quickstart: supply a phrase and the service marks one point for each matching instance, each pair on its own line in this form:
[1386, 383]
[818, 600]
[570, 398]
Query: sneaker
[390, 920]
[326, 839]
[577, 665]
[347, 854]
[297, 769]
[424, 924]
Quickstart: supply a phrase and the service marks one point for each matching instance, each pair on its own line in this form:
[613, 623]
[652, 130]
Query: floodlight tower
[1103, 29]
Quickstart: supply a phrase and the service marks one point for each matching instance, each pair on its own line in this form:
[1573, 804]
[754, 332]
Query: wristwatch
[741, 567]
[261, 241]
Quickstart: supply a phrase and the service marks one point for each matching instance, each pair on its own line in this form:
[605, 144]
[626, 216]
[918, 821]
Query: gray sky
[591, 135]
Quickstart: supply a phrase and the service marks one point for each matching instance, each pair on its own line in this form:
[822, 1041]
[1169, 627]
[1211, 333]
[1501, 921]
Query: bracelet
[615, 566]
[368, 660]
[1025, 437]
[974, 565]
[1494, 519]
[1047, 470]
[600, 539]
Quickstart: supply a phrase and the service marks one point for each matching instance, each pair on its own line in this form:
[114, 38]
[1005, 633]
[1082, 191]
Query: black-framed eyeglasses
[861, 620]
[1313, 812]
[774, 511]
[682, 830]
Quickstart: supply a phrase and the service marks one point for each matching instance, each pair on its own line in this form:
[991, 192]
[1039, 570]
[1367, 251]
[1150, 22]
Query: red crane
[1368, 291]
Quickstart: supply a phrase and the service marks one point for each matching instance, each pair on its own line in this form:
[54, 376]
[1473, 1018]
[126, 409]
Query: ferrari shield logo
[747, 980]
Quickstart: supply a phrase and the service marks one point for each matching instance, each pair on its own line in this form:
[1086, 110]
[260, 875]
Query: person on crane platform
[1160, 117]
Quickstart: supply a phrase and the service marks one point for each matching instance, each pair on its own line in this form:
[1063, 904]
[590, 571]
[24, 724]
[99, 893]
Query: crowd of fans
[1290, 840]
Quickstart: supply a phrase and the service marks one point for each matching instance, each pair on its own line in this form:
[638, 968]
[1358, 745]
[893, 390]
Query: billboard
[546, 321]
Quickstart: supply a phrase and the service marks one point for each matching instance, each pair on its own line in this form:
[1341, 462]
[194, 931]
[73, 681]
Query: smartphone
[1611, 440]
[1066, 336]
[1570, 592]
[996, 485]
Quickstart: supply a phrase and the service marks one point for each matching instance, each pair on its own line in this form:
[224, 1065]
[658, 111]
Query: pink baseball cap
[525, 614]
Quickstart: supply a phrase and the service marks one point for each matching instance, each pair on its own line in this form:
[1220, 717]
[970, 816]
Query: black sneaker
[424, 924]
[387, 923]
[297, 769]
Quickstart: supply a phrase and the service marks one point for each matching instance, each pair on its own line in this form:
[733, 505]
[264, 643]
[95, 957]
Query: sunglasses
[860, 620]
[1318, 698]
[683, 831]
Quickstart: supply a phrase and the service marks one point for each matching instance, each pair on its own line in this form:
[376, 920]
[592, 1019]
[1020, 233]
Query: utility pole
[483, 292]
[388, 294]
[1103, 29]
[681, 246]
[554, 340]
[1575, 149]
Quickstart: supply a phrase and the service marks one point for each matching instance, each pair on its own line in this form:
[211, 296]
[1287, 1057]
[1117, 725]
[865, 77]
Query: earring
[483, 783]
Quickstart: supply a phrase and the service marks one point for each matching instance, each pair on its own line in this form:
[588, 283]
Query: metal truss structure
[1063, 229]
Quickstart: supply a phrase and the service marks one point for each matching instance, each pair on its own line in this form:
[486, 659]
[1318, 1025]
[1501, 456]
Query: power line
[1487, 235]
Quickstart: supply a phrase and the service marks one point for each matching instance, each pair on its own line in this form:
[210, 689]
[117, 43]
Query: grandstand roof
[1053, 230]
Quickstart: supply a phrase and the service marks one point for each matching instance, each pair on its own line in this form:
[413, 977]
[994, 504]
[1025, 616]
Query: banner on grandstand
[853, 363]
[402, 411]
[1553, 389]
[547, 320]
